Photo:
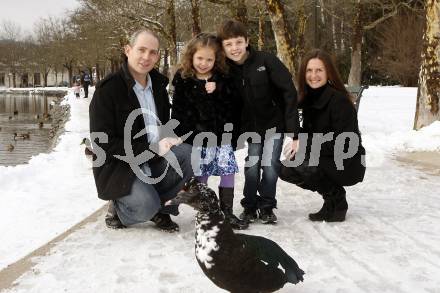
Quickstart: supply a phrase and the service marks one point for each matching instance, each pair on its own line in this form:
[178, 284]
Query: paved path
[15, 270]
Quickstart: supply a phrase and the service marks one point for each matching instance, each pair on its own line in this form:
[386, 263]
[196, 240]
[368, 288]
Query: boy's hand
[210, 86]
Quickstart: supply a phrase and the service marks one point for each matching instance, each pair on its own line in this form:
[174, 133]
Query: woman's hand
[291, 149]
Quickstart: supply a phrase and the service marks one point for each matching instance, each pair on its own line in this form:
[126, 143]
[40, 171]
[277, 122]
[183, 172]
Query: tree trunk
[171, 12]
[195, 13]
[241, 12]
[283, 35]
[428, 94]
[300, 33]
[261, 26]
[98, 73]
[354, 78]
[166, 66]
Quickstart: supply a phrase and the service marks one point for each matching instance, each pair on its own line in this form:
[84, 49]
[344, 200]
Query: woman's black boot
[334, 208]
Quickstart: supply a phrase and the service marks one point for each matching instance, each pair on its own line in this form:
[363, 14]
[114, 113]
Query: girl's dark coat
[334, 112]
[198, 111]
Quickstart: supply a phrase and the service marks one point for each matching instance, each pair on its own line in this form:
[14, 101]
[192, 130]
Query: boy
[269, 101]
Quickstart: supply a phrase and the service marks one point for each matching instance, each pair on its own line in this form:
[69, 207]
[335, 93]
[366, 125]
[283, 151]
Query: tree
[428, 94]
[195, 13]
[283, 33]
[399, 40]
[12, 55]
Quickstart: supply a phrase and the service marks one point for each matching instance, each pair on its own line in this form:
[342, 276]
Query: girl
[203, 101]
[76, 89]
[327, 109]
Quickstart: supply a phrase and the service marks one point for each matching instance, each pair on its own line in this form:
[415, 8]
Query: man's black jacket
[113, 101]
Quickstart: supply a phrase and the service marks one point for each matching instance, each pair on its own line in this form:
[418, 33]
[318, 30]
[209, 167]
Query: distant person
[76, 89]
[327, 109]
[137, 84]
[203, 101]
[269, 103]
[85, 81]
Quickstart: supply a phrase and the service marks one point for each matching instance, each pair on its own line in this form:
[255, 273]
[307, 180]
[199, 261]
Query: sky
[26, 12]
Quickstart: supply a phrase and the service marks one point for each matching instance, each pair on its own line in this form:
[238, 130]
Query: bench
[356, 94]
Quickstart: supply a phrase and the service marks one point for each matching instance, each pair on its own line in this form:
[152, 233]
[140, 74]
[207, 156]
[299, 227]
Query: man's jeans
[145, 200]
[261, 172]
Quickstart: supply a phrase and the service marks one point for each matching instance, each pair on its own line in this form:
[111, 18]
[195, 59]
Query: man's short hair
[232, 29]
[132, 39]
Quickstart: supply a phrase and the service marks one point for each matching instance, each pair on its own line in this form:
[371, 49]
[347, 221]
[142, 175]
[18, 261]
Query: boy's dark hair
[231, 29]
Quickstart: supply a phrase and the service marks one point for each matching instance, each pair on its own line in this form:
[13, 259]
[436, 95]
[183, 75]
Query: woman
[330, 117]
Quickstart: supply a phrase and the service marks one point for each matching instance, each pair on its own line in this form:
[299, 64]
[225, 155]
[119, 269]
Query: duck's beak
[181, 197]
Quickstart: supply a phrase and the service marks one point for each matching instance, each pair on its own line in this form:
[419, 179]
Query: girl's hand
[210, 86]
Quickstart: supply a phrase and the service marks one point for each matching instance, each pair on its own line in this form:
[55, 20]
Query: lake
[27, 114]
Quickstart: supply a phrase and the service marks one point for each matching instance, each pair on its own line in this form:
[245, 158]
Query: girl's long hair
[202, 40]
[334, 79]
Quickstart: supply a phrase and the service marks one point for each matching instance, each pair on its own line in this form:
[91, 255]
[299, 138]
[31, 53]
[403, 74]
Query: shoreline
[14, 271]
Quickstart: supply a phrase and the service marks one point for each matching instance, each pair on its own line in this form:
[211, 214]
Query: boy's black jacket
[268, 94]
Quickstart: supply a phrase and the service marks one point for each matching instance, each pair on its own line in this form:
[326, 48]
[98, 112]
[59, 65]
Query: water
[25, 113]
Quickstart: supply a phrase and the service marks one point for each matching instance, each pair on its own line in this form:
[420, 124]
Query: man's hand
[209, 86]
[166, 143]
[291, 149]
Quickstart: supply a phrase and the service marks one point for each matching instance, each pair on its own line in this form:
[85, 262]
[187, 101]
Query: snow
[389, 242]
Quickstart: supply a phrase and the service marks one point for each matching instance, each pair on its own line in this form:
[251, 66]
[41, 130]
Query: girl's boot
[226, 195]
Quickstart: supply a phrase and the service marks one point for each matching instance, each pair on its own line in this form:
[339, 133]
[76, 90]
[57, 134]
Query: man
[134, 199]
[85, 81]
[269, 103]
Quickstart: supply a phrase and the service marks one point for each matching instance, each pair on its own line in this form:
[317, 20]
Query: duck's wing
[271, 253]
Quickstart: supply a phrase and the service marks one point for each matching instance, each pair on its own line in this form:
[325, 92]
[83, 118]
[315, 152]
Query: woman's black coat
[333, 112]
[198, 111]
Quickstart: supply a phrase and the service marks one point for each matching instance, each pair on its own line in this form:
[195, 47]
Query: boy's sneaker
[249, 215]
[112, 220]
[164, 223]
[267, 216]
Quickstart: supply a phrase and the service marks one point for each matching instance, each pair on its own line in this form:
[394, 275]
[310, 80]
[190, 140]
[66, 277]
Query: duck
[22, 136]
[15, 112]
[10, 147]
[40, 124]
[88, 151]
[238, 263]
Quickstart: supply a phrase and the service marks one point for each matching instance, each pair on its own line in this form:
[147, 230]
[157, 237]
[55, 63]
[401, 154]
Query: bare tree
[283, 33]
[428, 95]
[261, 25]
[396, 58]
[195, 13]
[13, 51]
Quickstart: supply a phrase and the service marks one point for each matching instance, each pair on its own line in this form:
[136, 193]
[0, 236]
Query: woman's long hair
[202, 40]
[334, 79]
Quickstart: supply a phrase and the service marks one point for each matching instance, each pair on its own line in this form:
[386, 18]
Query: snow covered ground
[389, 242]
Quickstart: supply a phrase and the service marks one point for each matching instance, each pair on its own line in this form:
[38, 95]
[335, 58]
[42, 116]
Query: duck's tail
[293, 273]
